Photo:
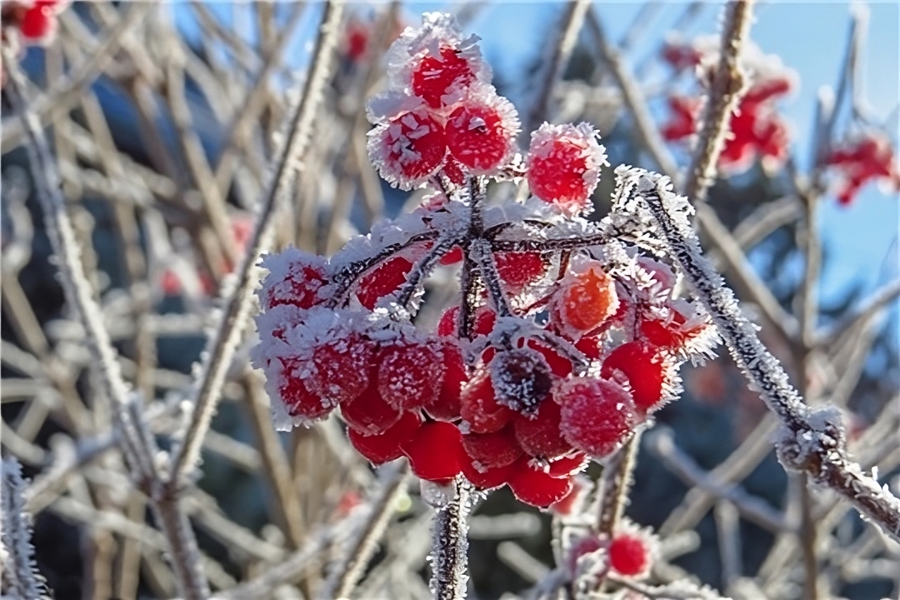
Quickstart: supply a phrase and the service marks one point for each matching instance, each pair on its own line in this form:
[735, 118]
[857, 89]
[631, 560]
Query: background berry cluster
[563, 340]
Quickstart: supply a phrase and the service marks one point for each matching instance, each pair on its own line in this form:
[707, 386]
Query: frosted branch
[811, 441]
[20, 578]
[450, 545]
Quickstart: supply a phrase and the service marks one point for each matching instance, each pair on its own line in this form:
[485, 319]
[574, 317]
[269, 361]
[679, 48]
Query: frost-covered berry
[521, 378]
[645, 369]
[408, 149]
[563, 165]
[481, 132]
[485, 318]
[539, 433]
[383, 447]
[446, 405]
[567, 465]
[385, 279]
[486, 478]
[629, 555]
[298, 401]
[341, 368]
[410, 373]
[597, 415]
[518, 270]
[533, 486]
[435, 452]
[439, 79]
[479, 408]
[586, 299]
[491, 450]
[295, 278]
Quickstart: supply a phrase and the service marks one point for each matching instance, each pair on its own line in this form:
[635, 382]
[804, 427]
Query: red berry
[484, 321]
[479, 407]
[369, 413]
[597, 415]
[532, 486]
[539, 434]
[410, 374]
[644, 367]
[383, 280]
[436, 77]
[481, 134]
[342, 368]
[522, 379]
[490, 450]
[454, 256]
[673, 331]
[628, 555]
[36, 22]
[564, 165]
[408, 149]
[559, 364]
[384, 447]
[519, 269]
[295, 278]
[435, 452]
[587, 299]
[294, 394]
[446, 406]
[567, 465]
[487, 478]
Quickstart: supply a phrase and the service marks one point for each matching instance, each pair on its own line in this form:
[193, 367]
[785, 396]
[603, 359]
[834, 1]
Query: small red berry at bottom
[597, 415]
[479, 406]
[532, 486]
[36, 22]
[369, 413]
[487, 478]
[496, 449]
[435, 452]
[384, 447]
[628, 555]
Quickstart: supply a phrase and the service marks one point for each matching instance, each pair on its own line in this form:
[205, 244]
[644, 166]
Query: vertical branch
[727, 88]
[450, 538]
[20, 578]
[222, 344]
[616, 486]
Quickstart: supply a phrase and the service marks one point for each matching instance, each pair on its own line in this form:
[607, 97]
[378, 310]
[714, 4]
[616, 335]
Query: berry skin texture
[410, 374]
[435, 452]
[295, 278]
[446, 405]
[492, 450]
[297, 398]
[587, 300]
[408, 149]
[628, 555]
[519, 269]
[341, 369]
[644, 368]
[564, 165]
[369, 413]
[434, 77]
[532, 486]
[487, 478]
[597, 415]
[384, 447]
[539, 434]
[479, 407]
[480, 134]
[385, 279]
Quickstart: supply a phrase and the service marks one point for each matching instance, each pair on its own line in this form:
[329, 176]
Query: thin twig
[448, 557]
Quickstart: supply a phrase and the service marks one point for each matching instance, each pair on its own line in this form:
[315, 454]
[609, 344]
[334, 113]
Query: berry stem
[617, 480]
[549, 245]
[422, 269]
[449, 572]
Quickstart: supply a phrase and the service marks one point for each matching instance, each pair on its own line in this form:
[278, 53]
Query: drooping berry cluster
[757, 129]
[564, 337]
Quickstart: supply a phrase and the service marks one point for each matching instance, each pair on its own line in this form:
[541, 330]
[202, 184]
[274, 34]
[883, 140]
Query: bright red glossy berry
[491, 450]
[479, 407]
[410, 374]
[408, 149]
[597, 415]
[440, 81]
[487, 478]
[644, 367]
[533, 486]
[36, 22]
[435, 452]
[383, 280]
[564, 165]
[369, 413]
[481, 134]
[519, 269]
[384, 447]
[539, 434]
[628, 555]
[567, 465]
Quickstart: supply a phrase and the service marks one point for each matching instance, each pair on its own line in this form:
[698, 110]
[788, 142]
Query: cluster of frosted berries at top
[565, 335]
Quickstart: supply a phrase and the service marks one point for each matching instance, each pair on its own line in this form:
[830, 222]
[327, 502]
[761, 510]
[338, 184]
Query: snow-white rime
[20, 577]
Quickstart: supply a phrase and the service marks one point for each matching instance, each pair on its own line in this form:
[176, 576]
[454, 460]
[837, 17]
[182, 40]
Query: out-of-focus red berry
[37, 22]
[628, 555]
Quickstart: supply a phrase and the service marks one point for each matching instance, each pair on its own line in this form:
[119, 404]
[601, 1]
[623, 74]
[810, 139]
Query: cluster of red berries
[33, 20]
[757, 129]
[563, 338]
[868, 157]
[628, 553]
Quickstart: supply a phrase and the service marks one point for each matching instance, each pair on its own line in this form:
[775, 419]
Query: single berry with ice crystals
[481, 132]
[408, 149]
[564, 165]
[597, 415]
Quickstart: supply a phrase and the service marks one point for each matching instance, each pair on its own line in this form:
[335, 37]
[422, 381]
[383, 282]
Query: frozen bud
[521, 378]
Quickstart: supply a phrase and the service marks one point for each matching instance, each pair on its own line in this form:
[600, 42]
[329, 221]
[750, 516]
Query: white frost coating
[437, 495]
[21, 579]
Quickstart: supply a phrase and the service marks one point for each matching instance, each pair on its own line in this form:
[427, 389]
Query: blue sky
[810, 37]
